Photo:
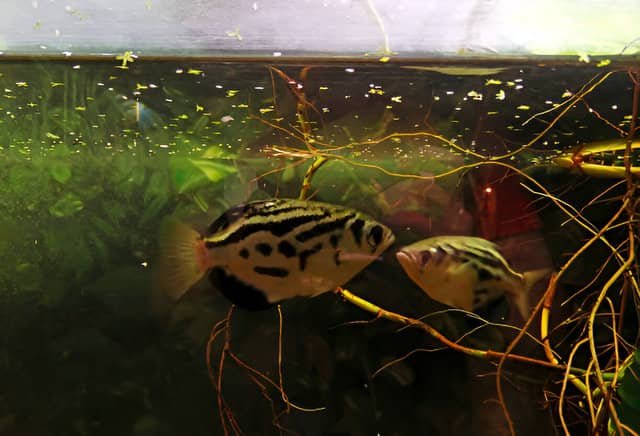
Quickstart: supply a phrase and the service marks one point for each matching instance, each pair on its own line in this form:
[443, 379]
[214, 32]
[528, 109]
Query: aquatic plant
[598, 385]
[92, 159]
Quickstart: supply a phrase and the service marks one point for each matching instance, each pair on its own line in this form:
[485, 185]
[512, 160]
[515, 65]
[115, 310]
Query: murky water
[94, 156]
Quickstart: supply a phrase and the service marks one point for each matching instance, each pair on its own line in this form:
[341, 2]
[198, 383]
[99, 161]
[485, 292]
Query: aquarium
[211, 231]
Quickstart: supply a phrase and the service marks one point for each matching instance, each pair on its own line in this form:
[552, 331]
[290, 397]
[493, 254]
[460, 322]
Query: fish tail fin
[529, 279]
[184, 259]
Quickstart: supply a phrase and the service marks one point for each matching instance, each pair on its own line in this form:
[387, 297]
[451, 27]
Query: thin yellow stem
[306, 182]
[283, 395]
[564, 385]
[579, 95]
[596, 306]
[412, 322]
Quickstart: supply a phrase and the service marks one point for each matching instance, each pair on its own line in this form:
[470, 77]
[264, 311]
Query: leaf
[153, 209]
[185, 176]
[137, 177]
[157, 187]
[29, 275]
[458, 71]
[61, 150]
[200, 202]
[199, 126]
[115, 211]
[82, 256]
[122, 167]
[60, 171]
[156, 196]
[99, 248]
[629, 392]
[68, 205]
[103, 225]
[189, 174]
[89, 192]
[214, 171]
[21, 177]
[288, 174]
[217, 152]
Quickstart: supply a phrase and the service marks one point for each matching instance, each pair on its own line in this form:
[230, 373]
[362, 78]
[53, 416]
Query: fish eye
[436, 254]
[425, 256]
[374, 237]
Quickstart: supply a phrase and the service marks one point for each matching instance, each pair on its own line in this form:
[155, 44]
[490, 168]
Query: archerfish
[266, 251]
[602, 159]
[466, 272]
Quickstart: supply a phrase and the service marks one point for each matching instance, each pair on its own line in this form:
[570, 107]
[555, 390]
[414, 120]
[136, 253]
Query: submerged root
[582, 396]
[262, 381]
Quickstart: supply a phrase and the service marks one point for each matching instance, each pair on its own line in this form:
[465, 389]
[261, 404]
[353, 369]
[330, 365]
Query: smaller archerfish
[602, 159]
[263, 252]
[466, 272]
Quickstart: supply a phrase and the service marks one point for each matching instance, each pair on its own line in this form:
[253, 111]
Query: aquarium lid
[378, 29]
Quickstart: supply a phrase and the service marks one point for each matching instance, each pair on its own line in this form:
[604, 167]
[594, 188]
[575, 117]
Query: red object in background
[503, 208]
[426, 208]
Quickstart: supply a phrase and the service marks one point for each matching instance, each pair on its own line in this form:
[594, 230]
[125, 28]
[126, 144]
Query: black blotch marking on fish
[268, 207]
[304, 255]
[335, 239]
[244, 253]
[484, 275]
[336, 257]
[489, 259]
[227, 218]
[480, 296]
[323, 227]
[276, 228]
[264, 248]
[356, 229]
[237, 291]
[374, 237]
[277, 210]
[455, 253]
[286, 249]
[271, 271]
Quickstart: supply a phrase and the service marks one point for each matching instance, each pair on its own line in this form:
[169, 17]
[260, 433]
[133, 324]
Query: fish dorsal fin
[227, 218]
[258, 208]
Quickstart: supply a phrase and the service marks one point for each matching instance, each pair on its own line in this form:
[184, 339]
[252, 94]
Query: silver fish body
[267, 251]
[466, 272]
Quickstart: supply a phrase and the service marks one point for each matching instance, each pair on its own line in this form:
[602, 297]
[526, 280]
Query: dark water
[93, 157]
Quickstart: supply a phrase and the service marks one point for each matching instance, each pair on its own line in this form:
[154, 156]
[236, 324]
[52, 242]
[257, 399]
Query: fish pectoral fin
[465, 299]
[459, 292]
[345, 257]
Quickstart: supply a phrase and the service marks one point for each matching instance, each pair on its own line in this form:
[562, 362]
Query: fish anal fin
[529, 279]
[463, 296]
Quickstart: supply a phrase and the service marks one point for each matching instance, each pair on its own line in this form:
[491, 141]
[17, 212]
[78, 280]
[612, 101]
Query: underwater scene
[203, 247]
